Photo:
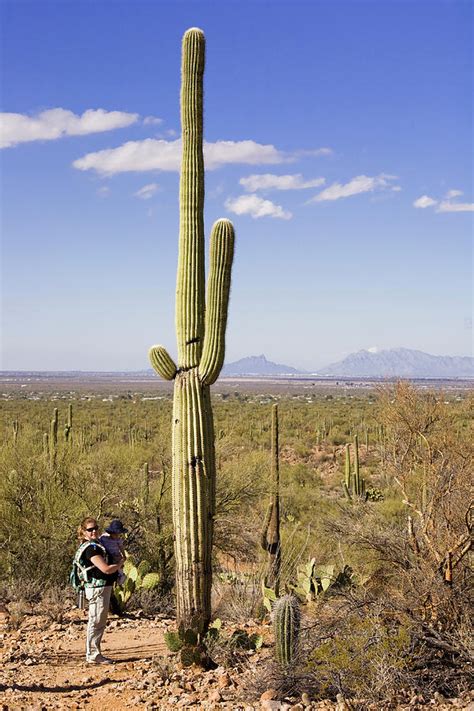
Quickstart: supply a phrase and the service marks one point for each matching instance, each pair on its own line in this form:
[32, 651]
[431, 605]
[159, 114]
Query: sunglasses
[93, 528]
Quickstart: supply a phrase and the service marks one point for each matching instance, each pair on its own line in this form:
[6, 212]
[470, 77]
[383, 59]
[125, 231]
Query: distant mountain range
[257, 365]
[392, 363]
[401, 362]
[395, 362]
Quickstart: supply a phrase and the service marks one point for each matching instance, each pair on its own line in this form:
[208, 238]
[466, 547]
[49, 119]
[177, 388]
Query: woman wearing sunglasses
[100, 577]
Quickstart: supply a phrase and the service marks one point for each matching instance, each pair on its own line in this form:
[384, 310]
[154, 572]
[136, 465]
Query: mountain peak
[400, 362]
[257, 365]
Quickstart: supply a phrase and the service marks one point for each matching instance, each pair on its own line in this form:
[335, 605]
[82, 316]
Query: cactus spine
[286, 628]
[200, 330]
[271, 529]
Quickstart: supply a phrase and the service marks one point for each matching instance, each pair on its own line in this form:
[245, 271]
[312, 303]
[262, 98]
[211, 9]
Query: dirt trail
[43, 667]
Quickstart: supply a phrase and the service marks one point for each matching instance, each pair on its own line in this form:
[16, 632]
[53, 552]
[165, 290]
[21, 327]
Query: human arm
[100, 563]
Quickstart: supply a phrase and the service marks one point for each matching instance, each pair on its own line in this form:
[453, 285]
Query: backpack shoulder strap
[101, 550]
[83, 570]
[80, 551]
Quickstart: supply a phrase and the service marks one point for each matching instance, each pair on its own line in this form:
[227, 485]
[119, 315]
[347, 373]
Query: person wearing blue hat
[101, 575]
[113, 544]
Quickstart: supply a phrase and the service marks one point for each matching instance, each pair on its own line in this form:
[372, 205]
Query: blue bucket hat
[116, 526]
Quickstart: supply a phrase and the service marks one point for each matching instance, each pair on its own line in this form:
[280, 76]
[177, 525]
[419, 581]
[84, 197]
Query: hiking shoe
[100, 660]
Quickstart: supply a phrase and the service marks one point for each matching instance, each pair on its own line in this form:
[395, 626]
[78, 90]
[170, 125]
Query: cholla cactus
[200, 328]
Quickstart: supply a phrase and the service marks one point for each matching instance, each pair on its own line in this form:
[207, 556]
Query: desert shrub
[237, 596]
[362, 654]
[43, 500]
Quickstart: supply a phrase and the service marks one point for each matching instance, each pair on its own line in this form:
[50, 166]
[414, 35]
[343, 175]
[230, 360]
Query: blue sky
[339, 141]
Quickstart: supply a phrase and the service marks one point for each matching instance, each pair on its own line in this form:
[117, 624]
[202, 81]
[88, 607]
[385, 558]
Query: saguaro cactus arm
[162, 362]
[190, 278]
[217, 301]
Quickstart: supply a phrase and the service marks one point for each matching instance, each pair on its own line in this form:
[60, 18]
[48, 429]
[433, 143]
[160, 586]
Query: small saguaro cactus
[200, 330]
[146, 483]
[53, 438]
[271, 529]
[68, 425]
[286, 628]
[353, 484]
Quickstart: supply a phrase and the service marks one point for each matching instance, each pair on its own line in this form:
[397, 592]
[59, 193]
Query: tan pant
[99, 601]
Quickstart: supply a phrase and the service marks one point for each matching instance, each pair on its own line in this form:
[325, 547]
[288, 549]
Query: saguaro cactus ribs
[200, 329]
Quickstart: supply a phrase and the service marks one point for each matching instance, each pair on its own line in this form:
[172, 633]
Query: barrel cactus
[286, 628]
[200, 329]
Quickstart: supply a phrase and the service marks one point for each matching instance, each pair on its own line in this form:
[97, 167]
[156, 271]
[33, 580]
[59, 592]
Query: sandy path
[51, 671]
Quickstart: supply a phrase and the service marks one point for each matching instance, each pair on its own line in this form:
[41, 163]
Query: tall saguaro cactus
[200, 330]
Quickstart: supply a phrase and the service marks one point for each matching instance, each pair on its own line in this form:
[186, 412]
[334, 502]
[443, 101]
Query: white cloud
[256, 207]
[158, 154]
[55, 123]
[313, 152]
[453, 193]
[359, 184]
[152, 121]
[103, 191]
[249, 152]
[150, 154]
[147, 191]
[267, 181]
[373, 349]
[447, 206]
[424, 201]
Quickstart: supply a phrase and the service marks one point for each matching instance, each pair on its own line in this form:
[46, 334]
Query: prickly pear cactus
[137, 578]
[200, 329]
[150, 581]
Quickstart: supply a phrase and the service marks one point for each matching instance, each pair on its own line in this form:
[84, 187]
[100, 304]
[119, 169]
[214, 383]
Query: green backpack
[79, 575]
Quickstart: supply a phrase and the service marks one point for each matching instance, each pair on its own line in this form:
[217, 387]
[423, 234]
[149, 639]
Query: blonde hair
[85, 523]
